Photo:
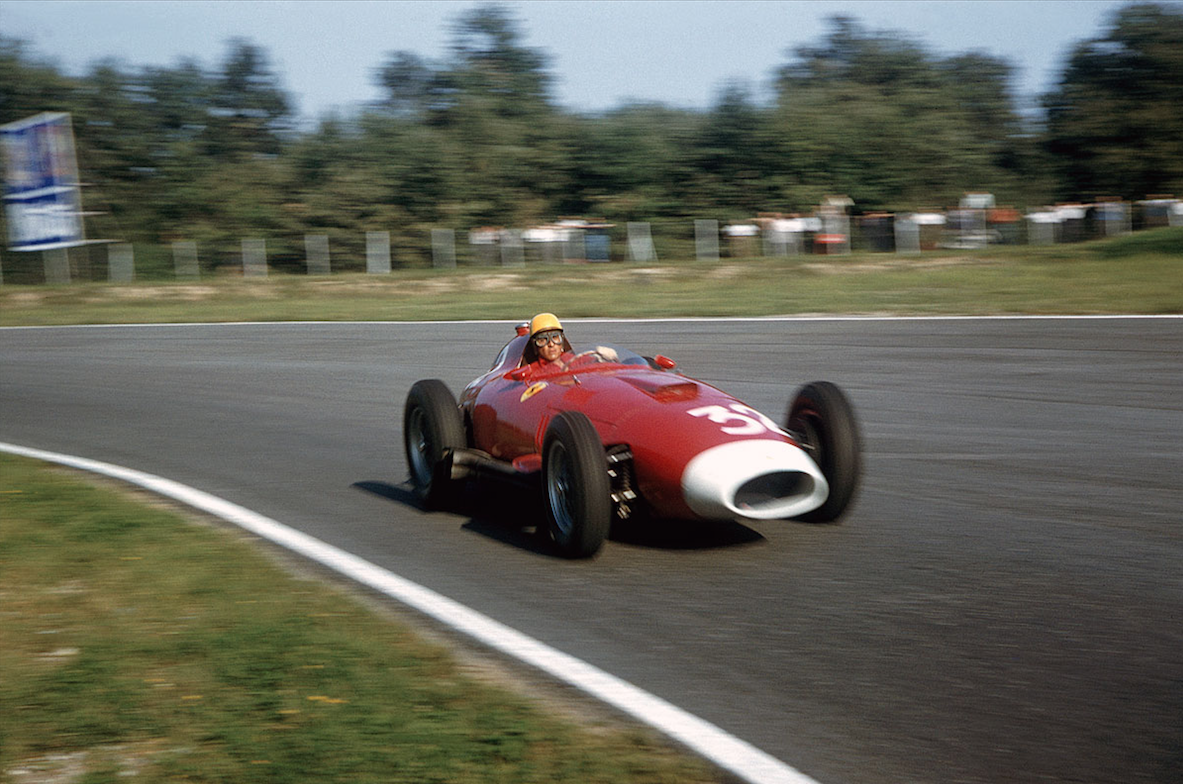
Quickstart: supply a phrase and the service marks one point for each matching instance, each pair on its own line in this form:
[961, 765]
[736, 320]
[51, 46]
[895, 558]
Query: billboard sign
[41, 196]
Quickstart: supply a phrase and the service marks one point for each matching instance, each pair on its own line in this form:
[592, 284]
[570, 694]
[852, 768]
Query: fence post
[185, 259]
[378, 252]
[768, 241]
[1040, 230]
[907, 235]
[121, 266]
[573, 245]
[57, 265]
[553, 250]
[254, 258]
[316, 254]
[835, 237]
[513, 253]
[443, 248]
[640, 242]
[483, 243]
[706, 240]
[1114, 217]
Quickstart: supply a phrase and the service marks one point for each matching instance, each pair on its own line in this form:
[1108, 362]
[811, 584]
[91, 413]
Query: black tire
[823, 421]
[432, 428]
[575, 480]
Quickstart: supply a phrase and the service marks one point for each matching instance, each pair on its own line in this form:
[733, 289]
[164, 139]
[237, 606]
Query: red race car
[607, 433]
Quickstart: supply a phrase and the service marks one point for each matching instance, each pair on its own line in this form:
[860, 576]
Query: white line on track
[727, 751]
[597, 320]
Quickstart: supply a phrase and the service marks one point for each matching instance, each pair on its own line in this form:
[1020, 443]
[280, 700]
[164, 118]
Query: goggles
[542, 338]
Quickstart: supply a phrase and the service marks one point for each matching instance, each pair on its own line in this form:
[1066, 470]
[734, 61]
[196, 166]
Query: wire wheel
[421, 466]
[578, 491]
[558, 489]
[432, 429]
[823, 422]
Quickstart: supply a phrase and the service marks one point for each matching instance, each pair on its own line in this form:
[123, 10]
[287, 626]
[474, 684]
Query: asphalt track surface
[1003, 603]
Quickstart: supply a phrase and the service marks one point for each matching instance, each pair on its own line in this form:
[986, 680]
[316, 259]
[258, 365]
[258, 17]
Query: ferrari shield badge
[533, 390]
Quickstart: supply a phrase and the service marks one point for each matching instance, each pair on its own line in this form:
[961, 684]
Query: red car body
[690, 449]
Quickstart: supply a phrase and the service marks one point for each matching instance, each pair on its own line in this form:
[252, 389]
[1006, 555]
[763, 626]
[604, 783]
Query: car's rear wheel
[822, 419]
[578, 492]
[432, 428]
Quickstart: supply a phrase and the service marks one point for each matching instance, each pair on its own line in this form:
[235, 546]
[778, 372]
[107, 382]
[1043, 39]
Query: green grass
[132, 641]
[1140, 273]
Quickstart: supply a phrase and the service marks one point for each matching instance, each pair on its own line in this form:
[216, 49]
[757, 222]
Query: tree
[1115, 122]
[178, 101]
[633, 161]
[878, 118]
[29, 86]
[731, 156]
[249, 113]
[491, 62]
[410, 83]
[115, 144]
[502, 143]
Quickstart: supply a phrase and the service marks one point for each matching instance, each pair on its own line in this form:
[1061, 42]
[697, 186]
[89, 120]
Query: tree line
[477, 138]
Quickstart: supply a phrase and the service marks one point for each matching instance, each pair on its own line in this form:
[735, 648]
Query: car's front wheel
[432, 428]
[578, 491]
[822, 420]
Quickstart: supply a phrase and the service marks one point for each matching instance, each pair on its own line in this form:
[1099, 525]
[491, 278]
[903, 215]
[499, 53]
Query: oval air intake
[772, 489]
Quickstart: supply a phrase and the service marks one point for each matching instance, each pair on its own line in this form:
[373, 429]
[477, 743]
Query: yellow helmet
[543, 322]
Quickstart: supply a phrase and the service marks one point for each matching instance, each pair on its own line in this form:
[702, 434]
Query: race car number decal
[531, 391]
[738, 419]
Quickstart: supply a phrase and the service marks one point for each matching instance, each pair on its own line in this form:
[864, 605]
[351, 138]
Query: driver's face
[551, 347]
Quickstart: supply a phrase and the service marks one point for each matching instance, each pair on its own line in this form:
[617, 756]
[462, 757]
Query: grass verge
[135, 643]
[1137, 274]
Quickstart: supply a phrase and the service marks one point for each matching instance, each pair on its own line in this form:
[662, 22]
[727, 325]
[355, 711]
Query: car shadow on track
[388, 491]
[509, 516]
[683, 534]
[496, 512]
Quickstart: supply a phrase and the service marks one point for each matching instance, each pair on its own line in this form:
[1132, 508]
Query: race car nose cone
[755, 479]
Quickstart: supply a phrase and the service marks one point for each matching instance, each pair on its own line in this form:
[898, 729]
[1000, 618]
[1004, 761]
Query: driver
[548, 348]
[549, 351]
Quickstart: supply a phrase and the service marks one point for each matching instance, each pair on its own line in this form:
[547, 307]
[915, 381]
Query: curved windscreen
[611, 354]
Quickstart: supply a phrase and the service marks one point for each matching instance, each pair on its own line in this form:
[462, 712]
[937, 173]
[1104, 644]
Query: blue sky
[603, 52]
